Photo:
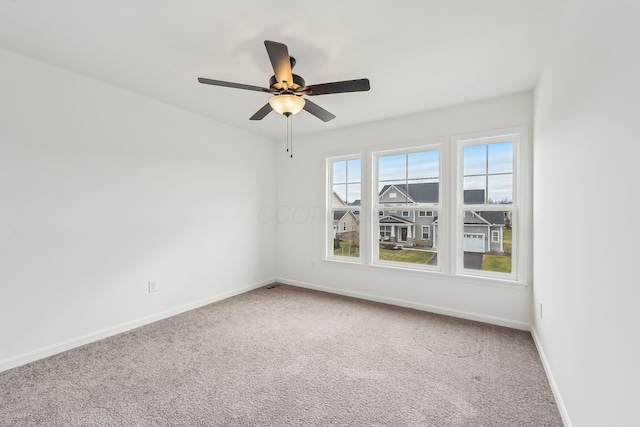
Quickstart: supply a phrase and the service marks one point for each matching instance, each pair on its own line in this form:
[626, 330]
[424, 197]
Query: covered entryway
[473, 242]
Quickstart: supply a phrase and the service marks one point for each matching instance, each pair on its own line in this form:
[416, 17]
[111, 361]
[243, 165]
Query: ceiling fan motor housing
[298, 83]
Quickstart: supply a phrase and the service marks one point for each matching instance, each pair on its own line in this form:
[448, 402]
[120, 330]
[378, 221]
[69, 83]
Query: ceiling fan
[288, 89]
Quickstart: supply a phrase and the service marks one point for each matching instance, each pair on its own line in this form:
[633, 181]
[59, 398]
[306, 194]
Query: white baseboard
[552, 381]
[41, 353]
[410, 304]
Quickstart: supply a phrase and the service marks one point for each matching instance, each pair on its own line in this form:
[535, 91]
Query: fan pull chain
[290, 135]
[288, 118]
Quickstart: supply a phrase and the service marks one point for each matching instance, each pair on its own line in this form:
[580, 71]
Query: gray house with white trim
[483, 231]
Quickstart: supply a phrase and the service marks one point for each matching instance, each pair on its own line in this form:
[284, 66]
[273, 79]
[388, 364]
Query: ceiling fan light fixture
[287, 104]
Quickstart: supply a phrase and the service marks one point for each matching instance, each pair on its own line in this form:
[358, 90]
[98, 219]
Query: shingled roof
[485, 217]
[427, 192]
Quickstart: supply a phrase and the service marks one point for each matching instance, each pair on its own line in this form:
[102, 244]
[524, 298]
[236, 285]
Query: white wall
[300, 216]
[102, 190]
[586, 180]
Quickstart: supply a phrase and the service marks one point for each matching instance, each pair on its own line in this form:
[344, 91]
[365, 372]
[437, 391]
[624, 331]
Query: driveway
[473, 260]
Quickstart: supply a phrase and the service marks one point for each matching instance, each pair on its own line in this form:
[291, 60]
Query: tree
[353, 238]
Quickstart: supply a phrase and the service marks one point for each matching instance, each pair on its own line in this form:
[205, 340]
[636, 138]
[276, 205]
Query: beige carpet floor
[286, 356]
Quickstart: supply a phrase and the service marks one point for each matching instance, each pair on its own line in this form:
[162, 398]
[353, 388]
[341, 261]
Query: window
[456, 206]
[489, 206]
[426, 232]
[345, 205]
[385, 232]
[409, 179]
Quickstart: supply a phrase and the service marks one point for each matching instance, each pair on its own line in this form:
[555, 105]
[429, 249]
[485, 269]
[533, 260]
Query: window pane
[487, 240]
[414, 176]
[488, 174]
[339, 194]
[353, 195]
[475, 160]
[392, 168]
[412, 239]
[346, 233]
[346, 182]
[353, 169]
[500, 158]
[500, 189]
[474, 190]
[424, 166]
[340, 171]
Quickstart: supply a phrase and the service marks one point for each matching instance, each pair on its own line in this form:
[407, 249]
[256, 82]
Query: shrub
[336, 243]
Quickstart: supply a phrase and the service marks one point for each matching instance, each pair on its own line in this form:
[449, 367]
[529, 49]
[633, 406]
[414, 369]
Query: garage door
[473, 242]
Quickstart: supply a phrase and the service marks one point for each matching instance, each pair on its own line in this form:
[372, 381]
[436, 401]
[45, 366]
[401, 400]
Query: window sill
[458, 278]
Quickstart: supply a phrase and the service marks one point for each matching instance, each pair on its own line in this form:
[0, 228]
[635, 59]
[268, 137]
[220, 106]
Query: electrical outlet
[541, 310]
[153, 286]
[313, 264]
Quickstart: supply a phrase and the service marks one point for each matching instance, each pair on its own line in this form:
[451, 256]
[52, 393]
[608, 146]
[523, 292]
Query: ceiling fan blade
[318, 111]
[262, 113]
[280, 60]
[232, 85]
[360, 85]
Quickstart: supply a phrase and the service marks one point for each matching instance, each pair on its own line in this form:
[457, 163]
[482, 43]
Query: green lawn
[496, 263]
[404, 255]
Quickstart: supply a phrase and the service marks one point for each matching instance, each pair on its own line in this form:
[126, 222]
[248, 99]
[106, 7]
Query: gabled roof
[340, 201]
[392, 219]
[485, 218]
[426, 192]
[339, 215]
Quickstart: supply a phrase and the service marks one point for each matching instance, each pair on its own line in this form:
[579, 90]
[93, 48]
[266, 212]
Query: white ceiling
[419, 54]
